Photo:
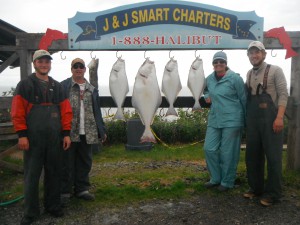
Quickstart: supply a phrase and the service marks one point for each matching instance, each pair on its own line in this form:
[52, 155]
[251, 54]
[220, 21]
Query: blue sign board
[164, 25]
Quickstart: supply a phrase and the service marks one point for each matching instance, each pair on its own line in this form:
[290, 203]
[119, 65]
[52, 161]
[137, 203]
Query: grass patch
[13, 160]
[159, 152]
[121, 176]
[6, 144]
[114, 194]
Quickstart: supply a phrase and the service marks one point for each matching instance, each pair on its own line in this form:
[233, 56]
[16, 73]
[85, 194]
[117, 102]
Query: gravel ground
[206, 210]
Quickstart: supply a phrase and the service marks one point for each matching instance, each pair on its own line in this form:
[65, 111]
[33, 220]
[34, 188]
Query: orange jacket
[29, 92]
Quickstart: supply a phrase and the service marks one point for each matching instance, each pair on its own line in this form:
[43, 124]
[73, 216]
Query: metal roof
[7, 39]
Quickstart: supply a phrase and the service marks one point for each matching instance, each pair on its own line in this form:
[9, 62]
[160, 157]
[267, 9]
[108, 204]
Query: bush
[188, 127]
[116, 131]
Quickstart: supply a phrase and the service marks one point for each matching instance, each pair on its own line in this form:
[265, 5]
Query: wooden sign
[164, 25]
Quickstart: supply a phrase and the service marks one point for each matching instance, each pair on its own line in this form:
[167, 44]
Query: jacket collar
[261, 68]
[88, 86]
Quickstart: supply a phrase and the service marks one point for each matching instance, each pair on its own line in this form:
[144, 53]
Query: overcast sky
[35, 16]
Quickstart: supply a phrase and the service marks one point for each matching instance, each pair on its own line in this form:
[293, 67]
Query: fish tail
[290, 52]
[171, 111]
[147, 137]
[197, 106]
[119, 115]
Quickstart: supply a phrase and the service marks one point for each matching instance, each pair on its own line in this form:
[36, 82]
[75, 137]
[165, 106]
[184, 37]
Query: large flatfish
[171, 85]
[196, 81]
[146, 97]
[118, 86]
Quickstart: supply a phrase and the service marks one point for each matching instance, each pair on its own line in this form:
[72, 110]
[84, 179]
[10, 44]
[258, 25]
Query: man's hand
[104, 138]
[66, 142]
[23, 143]
[278, 125]
[207, 100]
[278, 122]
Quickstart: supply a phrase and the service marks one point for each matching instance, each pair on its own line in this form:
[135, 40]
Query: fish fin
[290, 53]
[119, 115]
[197, 106]
[171, 111]
[159, 102]
[179, 87]
[163, 89]
[92, 63]
[147, 137]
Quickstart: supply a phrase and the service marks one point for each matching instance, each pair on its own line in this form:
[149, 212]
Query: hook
[170, 55]
[63, 58]
[196, 54]
[272, 53]
[145, 55]
[117, 55]
[92, 56]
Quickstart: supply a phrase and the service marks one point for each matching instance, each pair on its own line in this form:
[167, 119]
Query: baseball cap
[41, 53]
[257, 44]
[220, 55]
[77, 60]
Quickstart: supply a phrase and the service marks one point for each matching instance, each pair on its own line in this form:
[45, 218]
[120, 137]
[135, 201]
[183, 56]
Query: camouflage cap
[41, 53]
[77, 60]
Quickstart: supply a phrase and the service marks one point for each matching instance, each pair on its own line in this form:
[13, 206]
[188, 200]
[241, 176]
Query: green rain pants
[222, 154]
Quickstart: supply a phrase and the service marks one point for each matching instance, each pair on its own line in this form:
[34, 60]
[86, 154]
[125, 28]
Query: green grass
[139, 181]
[122, 176]
[159, 152]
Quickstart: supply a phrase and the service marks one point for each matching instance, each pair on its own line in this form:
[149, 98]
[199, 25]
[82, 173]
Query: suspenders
[265, 81]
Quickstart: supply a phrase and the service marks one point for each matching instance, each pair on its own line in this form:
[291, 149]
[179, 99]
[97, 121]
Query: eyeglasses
[76, 66]
[219, 61]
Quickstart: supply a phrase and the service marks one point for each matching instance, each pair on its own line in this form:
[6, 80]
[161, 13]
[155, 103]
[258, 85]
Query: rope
[109, 116]
[166, 145]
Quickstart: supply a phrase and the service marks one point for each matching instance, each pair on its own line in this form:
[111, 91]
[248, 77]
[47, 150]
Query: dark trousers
[263, 143]
[77, 166]
[44, 152]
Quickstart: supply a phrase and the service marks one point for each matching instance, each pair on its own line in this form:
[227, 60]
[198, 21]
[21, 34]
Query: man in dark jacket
[87, 128]
[41, 115]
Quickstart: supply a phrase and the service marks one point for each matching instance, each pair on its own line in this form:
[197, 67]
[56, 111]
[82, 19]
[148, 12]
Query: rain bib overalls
[45, 152]
[263, 142]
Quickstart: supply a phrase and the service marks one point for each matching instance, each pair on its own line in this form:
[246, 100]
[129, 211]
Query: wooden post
[25, 63]
[293, 152]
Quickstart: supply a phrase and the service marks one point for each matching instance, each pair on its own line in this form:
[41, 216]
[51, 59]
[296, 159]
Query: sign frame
[164, 25]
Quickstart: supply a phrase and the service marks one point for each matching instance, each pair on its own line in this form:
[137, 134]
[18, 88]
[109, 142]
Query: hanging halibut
[146, 97]
[171, 85]
[93, 72]
[196, 81]
[118, 86]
